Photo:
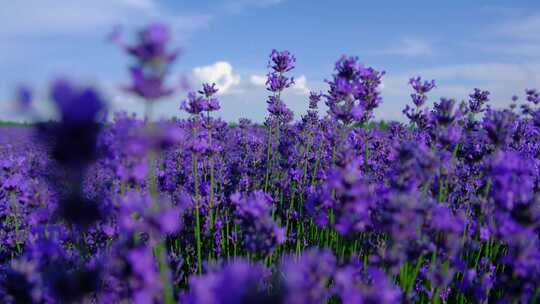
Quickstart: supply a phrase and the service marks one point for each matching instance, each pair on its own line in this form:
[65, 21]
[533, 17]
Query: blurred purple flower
[253, 210]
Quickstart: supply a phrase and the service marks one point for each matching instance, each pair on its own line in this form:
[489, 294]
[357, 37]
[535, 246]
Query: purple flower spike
[420, 87]
[204, 102]
[306, 278]
[152, 44]
[477, 100]
[281, 62]
[208, 90]
[353, 93]
[533, 96]
[314, 99]
[153, 60]
[76, 105]
[254, 215]
[277, 82]
[193, 104]
[238, 282]
[149, 87]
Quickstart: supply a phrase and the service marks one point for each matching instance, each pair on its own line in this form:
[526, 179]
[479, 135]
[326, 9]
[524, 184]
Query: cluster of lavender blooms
[329, 208]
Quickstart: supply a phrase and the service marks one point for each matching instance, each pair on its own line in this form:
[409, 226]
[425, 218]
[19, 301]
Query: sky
[493, 45]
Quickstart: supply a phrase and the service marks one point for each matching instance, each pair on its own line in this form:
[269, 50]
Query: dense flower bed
[330, 207]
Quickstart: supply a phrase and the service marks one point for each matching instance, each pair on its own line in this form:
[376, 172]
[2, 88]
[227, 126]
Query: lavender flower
[281, 61]
[75, 136]
[278, 82]
[152, 61]
[132, 275]
[196, 104]
[533, 96]
[444, 112]
[262, 234]
[314, 99]
[238, 282]
[307, 279]
[336, 209]
[477, 100]
[354, 199]
[353, 92]
[499, 126]
[353, 286]
[421, 88]
[208, 90]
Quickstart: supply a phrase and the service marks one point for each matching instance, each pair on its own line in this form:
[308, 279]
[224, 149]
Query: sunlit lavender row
[330, 206]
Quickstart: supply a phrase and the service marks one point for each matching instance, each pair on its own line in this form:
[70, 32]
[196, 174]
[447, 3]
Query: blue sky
[493, 45]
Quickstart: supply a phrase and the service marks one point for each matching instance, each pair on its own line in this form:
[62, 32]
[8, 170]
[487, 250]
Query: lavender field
[327, 206]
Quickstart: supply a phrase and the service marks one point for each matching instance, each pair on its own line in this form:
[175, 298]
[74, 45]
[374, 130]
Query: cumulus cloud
[257, 80]
[300, 85]
[220, 73]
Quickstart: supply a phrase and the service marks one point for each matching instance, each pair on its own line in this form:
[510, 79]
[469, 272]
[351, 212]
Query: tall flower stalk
[279, 63]
[197, 105]
[211, 104]
[152, 63]
[418, 116]
[352, 97]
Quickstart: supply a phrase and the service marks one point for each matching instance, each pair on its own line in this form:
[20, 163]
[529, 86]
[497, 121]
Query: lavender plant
[331, 208]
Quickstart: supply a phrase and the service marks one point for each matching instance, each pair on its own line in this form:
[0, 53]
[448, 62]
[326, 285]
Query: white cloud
[300, 85]
[411, 47]
[220, 73]
[41, 18]
[258, 80]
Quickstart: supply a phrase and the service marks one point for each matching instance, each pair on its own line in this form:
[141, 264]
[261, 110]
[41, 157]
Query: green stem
[268, 148]
[160, 250]
[197, 209]
[211, 194]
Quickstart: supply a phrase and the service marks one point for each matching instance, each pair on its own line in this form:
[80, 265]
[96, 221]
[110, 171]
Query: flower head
[281, 61]
[314, 99]
[237, 282]
[421, 87]
[353, 93]
[152, 61]
[499, 125]
[477, 99]
[208, 90]
[77, 105]
[262, 234]
[533, 96]
[307, 278]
